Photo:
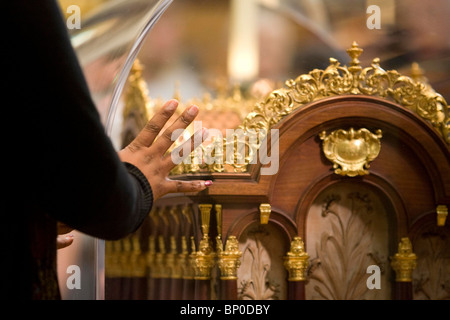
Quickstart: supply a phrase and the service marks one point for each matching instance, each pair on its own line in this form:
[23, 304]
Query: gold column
[204, 260]
[296, 260]
[404, 262]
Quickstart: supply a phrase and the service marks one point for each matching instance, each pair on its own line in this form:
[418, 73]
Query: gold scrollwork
[415, 95]
[352, 150]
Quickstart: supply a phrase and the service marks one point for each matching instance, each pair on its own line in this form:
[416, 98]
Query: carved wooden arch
[393, 203]
[278, 218]
[359, 111]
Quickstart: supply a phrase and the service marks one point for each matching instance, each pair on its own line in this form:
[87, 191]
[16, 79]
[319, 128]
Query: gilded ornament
[351, 151]
[264, 210]
[442, 213]
[260, 115]
[296, 260]
[205, 256]
[229, 259]
[404, 261]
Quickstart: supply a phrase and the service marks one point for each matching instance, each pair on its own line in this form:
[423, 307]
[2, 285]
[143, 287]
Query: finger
[163, 143]
[64, 241]
[176, 186]
[153, 127]
[184, 150]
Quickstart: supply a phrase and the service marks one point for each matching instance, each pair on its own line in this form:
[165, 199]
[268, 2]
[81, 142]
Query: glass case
[235, 58]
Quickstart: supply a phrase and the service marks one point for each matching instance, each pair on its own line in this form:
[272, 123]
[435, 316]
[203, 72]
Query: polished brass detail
[204, 259]
[296, 260]
[442, 213]
[351, 151]
[404, 261]
[264, 210]
[229, 259]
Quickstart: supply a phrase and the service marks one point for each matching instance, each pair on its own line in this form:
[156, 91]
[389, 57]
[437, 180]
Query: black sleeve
[64, 161]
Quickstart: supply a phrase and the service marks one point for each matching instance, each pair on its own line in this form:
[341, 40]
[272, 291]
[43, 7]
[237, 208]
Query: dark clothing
[61, 166]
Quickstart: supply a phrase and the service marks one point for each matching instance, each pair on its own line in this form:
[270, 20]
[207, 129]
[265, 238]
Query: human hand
[63, 239]
[150, 157]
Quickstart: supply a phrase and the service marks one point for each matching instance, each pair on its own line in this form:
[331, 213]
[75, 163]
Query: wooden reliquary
[334, 186]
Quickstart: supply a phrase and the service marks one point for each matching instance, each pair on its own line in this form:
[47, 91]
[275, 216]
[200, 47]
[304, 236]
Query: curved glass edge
[88, 253]
[158, 11]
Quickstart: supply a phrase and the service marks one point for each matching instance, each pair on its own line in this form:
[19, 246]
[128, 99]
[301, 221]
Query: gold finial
[354, 52]
[296, 260]
[404, 262]
[442, 213]
[416, 72]
[265, 209]
[229, 260]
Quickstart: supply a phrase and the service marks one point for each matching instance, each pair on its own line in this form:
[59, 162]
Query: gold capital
[229, 260]
[404, 261]
[296, 260]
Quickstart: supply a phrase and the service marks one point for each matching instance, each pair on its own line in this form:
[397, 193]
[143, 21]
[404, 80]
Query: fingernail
[193, 110]
[172, 105]
[208, 183]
